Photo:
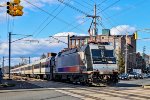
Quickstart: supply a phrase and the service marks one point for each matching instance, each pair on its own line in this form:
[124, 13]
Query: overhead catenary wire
[46, 19]
[70, 24]
[97, 13]
[127, 9]
[51, 20]
[59, 19]
[110, 5]
[81, 4]
[87, 3]
[77, 25]
[101, 3]
[71, 6]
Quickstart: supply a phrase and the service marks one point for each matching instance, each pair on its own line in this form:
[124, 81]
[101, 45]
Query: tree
[121, 62]
[43, 56]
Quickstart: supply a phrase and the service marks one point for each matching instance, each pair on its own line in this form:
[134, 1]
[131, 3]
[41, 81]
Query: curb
[146, 86]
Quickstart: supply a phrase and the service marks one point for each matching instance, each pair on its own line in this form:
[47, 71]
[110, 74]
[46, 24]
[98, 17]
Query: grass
[7, 85]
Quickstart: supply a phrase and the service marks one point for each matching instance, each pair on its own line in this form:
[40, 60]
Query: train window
[36, 66]
[43, 65]
[26, 68]
[109, 53]
[96, 53]
[46, 66]
[70, 60]
[30, 68]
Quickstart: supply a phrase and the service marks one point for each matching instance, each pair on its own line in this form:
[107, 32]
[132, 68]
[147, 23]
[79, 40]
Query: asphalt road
[35, 95]
[48, 90]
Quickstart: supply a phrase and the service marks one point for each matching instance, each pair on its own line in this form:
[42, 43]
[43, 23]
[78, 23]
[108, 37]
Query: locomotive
[91, 64]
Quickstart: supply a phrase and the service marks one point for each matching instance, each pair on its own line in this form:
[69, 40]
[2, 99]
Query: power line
[102, 2]
[98, 13]
[49, 13]
[81, 4]
[51, 20]
[46, 19]
[110, 5]
[126, 9]
[87, 3]
[73, 7]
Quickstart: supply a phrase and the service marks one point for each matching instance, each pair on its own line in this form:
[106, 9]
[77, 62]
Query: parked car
[140, 76]
[133, 75]
[148, 75]
[145, 75]
[123, 76]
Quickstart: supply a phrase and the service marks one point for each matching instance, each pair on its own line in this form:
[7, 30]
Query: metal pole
[29, 60]
[126, 53]
[68, 41]
[95, 20]
[3, 64]
[9, 52]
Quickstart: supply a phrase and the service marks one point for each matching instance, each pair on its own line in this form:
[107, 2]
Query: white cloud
[27, 6]
[122, 30]
[20, 60]
[36, 48]
[80, 19]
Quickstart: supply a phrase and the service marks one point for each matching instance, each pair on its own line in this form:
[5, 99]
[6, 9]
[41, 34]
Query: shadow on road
[127, 85]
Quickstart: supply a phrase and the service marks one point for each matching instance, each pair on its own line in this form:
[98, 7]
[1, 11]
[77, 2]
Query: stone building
[140, 62]
[118, 41]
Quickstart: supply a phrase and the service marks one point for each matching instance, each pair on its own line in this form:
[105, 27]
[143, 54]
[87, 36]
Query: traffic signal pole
[126, 55]
[9, 53]
[3, 63]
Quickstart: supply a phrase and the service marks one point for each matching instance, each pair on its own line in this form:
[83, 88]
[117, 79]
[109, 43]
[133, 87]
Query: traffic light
[16, 1]
[10, 8]
[135, 35]
[18, 10]
[14, 8]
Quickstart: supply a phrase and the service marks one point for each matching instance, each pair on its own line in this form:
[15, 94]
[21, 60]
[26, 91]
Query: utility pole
[3, 63]
[126, 54]
[94, 21]
[144, 52]
[9, 52]
[29, 60]
[95, 29]
[68, 41]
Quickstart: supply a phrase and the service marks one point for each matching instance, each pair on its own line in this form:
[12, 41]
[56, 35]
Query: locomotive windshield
[103, 56]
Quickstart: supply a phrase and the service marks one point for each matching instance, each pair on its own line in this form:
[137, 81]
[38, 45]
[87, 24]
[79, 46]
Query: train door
[33, 69]
[40, 66]
[51, 65]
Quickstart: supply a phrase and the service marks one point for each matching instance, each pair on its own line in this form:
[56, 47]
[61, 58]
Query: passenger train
[92, 64]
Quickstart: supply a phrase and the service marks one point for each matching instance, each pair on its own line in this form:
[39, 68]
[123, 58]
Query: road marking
[69, 93]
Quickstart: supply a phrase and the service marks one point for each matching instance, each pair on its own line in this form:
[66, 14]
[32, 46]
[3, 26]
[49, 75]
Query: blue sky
[132, 13]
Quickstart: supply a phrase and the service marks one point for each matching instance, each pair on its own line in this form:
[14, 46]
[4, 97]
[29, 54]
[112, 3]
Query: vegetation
[43, 56]
[121, 62]
[7, 85]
